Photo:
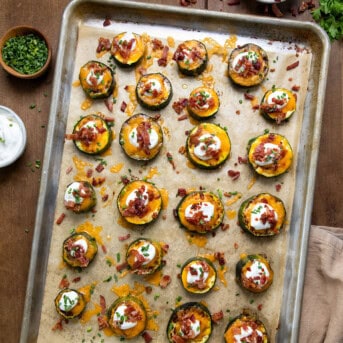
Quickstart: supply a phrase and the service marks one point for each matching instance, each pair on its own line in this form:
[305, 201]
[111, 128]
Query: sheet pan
[204, 23]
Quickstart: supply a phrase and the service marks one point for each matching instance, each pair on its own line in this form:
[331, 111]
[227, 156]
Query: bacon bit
[272, 70]
[104, 44]
[106, 22]
[97, 181]
[248, 96]
[182, 150]
[295, 88]
[242, 160]
[170, 159]
[234, 174]
[162, 62]
[235, 245]
[104, 249]
[103, 322]
[181, 192]
[165, 281]
[125, 180]
[183, 117]
[64, 283]
[186, 3]
[77, 279]
[60, 219]
[147, 337]
[123, 106]
[225, 227]
[89, 173]
[58, 325]
[109, 104]
[256, 107]
[180, 105]
[219, 256]
[293, 11]
[276, 11]
[104, 197]
[292, 66]
[103, 304]
[259, 307]
[157, 44]
[69, 170]
[148, 289]
[278, 187]
[124, 238]
[100, 167]
[121, 267]
[216, 317]
[238, 112]
[165, 247]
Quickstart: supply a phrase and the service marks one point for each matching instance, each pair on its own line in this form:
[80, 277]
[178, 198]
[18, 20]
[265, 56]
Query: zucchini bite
[262, 215]
[139, 202]
[254, 273]
[203, 103]
[127, 49]
[79, 250]
[248, 65]
[208, 146]
[278, 105]
[70, 303]
[144, 256]
[198, 275]
[127, 317]
[245, 328]
[191, 57]
[91, 135]
[79, 197]
[270, 154]
[96, 79]
[189, 323]
[154, 91]
[200, 212]
[141, 137]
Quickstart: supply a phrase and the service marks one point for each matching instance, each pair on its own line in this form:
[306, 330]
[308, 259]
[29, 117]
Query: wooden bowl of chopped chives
[25, 52]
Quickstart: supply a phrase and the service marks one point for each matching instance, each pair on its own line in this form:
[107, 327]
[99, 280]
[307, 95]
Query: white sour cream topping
[148, 251]
[250, 55]
[11, 138]
[128, 36]
[187, 56]
[200, 274]
[90, 124]
[120, 320]
[71, 193]
[245, 334]
[155, 87]
[256, 214]
[68, 301]
[133, 196]
[202, 147]
[257, 269]
[81, 243]
[207, 96]
[153, 138]
[91, 75]
[195, 327]
[271, 151]
[280, 95]
[205, 207]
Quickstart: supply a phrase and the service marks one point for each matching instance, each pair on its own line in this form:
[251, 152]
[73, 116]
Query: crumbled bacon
[162, 61]
[76, 252]
[295, 88]
[234, 174]
[233, 2]
[180, 105]
[123, 106]
[69, 170]
[104, 249]
[105, 197]
[217, 316]
[278, 187]
[97, 181]
[171, 160]
[143, 137]
[58, 325]
[292, 66]
[249, 96]
[131, 315]
[104, 44]
[147, 337]
[103, 304]
[100, 167]
[219, 256]
[60, 219]
[103, 322]
[157, 44]
[124, 238]
[124, 49]
[165, 247]
[106, 22]
[77, 279]
[64, 283]
[242, 160]
[183, 117]
[186, 3]
[165, 281]
[181, 192]
[109, 104]
[121, 267]
[276, 11]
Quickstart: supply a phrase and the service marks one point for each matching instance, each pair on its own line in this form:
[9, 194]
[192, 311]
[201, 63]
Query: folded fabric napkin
[322, 306]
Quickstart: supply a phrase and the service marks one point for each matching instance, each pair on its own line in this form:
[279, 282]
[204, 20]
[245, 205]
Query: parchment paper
[241, 127]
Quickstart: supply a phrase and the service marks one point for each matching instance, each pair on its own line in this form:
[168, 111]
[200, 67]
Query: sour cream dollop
[120, 319]
[207, 142]
[153, 138]
[12, 136]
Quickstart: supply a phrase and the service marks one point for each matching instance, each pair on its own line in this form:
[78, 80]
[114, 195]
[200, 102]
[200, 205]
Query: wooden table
[19, 183]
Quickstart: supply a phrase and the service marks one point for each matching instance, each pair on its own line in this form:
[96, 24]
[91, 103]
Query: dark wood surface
[19, 183]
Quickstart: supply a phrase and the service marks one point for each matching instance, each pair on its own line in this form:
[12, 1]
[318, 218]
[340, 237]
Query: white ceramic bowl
[12, 136]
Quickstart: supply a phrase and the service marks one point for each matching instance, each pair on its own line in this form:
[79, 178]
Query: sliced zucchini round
[91, 135]
[127, 49]
[245, 328]
[200, 212]
[79, 197]
[79, 250]
[198, 275]
[127, 317]
[208, 146]
[141, 137]
[270, 154]
[203, 103]
[248, 65]
[154, 91]
[262, 215]
[70, 303]
[191, 57]
[144, 256]
[139, 202]
[189, 323]
[278, 105]
[96, 79]
[254, 273]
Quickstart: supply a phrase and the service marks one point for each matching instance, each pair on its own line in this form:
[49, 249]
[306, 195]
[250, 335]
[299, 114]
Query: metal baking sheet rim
[305, 173]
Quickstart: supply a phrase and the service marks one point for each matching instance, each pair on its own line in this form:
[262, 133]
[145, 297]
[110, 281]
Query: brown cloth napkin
[322, 306]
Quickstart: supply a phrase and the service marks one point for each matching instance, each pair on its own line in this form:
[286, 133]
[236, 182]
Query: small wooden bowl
[21, 31]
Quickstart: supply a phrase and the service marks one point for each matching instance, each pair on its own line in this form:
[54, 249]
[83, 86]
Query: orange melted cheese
[252, 182]
[231, 42]
[131, 106]
[152, 172]
[198, 240]
[80, 166]
[233, 200]
[93, 231]
[86, 104]
[89, 313]
[76, 83]
[214, 48]
[165, 198]
[117, 168]
[231, 214]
